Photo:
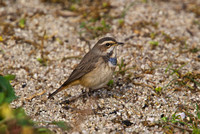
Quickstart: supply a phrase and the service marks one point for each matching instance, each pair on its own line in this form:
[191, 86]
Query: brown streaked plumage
[94, 70]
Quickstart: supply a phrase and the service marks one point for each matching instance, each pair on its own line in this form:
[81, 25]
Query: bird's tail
[55, 92]
[64, 86]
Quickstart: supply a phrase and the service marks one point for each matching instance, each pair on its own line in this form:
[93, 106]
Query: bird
[96, 68]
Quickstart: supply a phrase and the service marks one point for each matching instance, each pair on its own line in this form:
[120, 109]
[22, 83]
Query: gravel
[131, 105]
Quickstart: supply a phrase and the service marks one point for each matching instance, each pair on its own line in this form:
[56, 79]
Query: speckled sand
[126, 100]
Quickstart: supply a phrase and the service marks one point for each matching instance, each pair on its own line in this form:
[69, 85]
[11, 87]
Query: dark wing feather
[86, 65]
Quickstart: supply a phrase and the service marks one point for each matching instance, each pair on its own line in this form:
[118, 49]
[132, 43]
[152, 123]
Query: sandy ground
[161, 51]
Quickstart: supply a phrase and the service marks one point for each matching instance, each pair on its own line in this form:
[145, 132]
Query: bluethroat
[96, 67]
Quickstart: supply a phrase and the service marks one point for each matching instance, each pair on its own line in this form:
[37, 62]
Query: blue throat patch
[113, 61]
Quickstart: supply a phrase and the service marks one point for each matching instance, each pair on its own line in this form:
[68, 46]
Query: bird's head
[105, 46]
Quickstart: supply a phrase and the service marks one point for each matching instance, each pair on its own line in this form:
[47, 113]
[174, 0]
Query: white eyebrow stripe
[112, 42]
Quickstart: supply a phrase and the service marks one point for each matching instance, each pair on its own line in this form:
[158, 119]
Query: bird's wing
[87, 64]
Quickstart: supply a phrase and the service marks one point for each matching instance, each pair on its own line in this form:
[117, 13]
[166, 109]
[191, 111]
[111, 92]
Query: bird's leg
[68, 101]
[90, 92]
[86, 94]
[74, 98]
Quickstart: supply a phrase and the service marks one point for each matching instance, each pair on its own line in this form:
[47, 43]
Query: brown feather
[63, 87]
[86, 65]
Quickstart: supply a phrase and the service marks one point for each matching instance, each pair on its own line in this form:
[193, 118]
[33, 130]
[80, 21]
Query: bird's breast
[100, 76]
[112, 62]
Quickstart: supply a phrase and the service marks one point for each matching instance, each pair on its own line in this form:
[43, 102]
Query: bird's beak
[120, 43]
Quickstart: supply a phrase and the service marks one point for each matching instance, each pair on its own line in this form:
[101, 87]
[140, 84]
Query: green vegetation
[153, 44]
[153, 35]
[122, 67]
[189, 80]
[96, 18]
[158, 89]
[182, 120]
[1, 39]
[89, 26]
[9, 77]
[42, 61]
[22, 22]
[6, 91]
[15, 121]
[111, 83]
[194, 50]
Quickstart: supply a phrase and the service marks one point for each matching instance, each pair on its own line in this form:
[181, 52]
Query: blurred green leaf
[73, 7]
[105, 4]
[153, 35]
[61, 124]
[198, 115]
[154, 43]
[82, 25]
[22, 22]
[121, 22]
[196, 131]
[22, 118]
[6, 112]
[9, 77]
[43, 131]
[2, 96]
[3, 129]
[17, 116]
[158, 89]
[7, 89]
[198, 112]
[42, 61]
[1, 39]
[110, 83]
[164, 119]
[194, 50]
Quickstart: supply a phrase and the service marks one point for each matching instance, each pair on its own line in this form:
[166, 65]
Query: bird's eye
[108, 44]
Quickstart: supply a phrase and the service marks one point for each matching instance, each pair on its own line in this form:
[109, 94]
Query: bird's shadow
[97, 93]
